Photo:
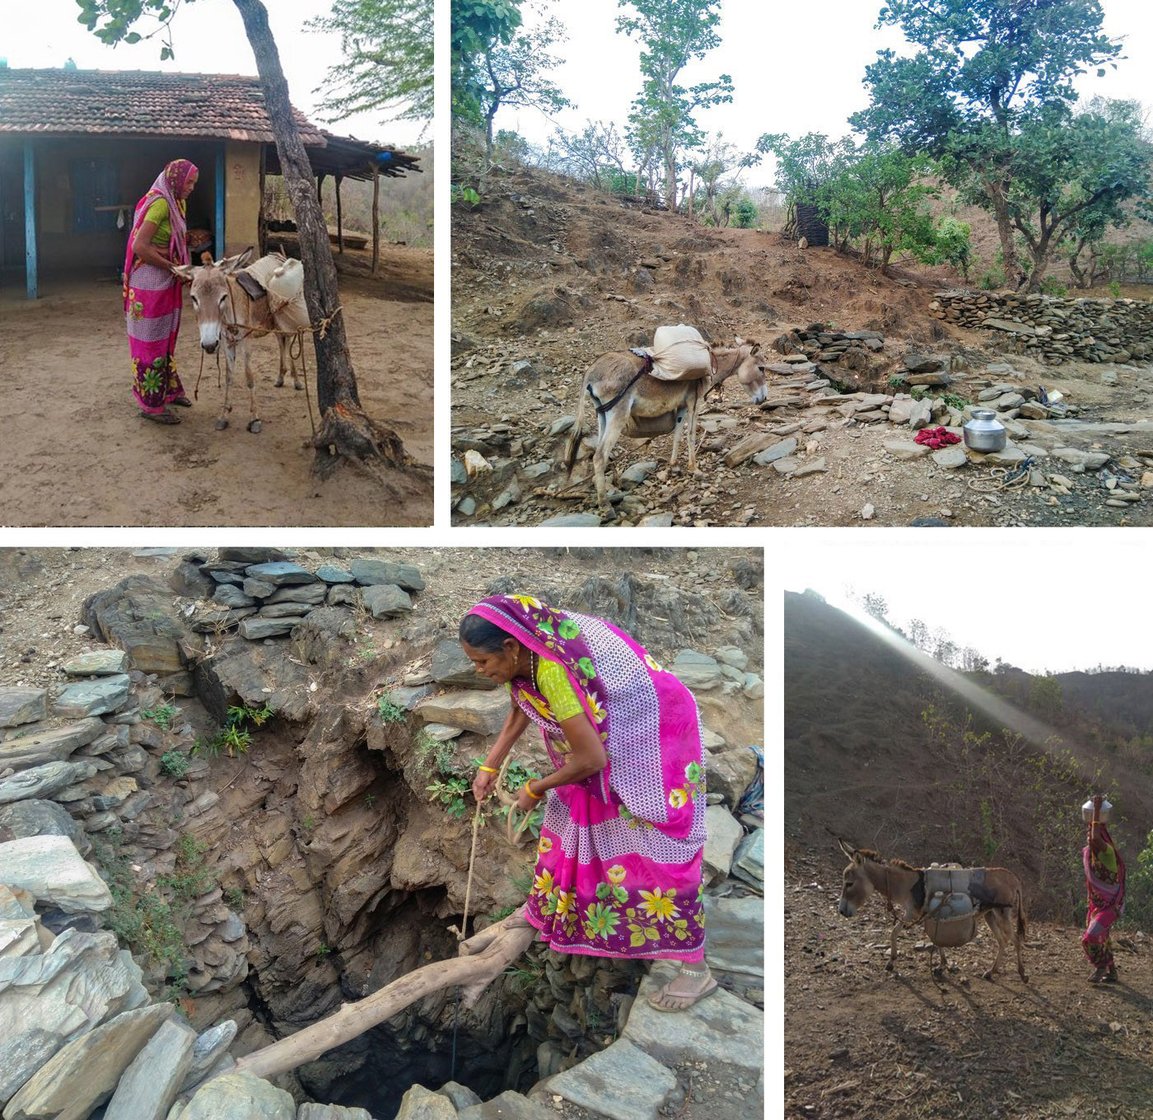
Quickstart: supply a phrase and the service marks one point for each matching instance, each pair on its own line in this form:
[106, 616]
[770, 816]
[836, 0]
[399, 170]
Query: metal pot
[1087, 811]
[985, 432]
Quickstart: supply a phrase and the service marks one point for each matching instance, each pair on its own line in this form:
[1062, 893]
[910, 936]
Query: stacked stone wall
[1053, 329]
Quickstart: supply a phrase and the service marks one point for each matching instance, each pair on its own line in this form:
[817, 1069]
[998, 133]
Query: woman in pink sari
[1105, 886]
[618, 870]
[152, 295]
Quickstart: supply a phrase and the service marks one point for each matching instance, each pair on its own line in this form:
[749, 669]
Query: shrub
[175, 764]
[162, 715]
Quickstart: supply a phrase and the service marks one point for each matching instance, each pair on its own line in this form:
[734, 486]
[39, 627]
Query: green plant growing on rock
[175, 764]
[450, 792]
[162, 715]
[436, 756]
[389, 712]
[954, 400]
[235, 737]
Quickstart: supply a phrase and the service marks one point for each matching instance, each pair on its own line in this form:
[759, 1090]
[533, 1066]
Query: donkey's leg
[297, 374]
[250, 381]
[997, 924]
[611, 425]
[893, 947]
[280, 343]
[1017, 918]
[692, 405]
[229, 367]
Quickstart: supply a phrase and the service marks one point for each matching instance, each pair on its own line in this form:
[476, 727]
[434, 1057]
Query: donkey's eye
[195, 302]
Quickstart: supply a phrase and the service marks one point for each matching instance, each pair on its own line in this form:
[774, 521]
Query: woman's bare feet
[687, 987]
[481, 941]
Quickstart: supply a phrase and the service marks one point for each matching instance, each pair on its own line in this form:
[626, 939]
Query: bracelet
[528, 789]
[488, 770]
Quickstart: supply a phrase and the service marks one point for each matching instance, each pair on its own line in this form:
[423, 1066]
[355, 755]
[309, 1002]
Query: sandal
[182, 402]
[164, 417]
[665, 999]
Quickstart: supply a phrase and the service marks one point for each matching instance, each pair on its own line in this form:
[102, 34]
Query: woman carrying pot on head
[1105, 886]
[152, 294]
[618, 870]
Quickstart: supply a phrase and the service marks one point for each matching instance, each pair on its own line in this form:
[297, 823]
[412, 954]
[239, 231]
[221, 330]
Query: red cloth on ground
[936, 437]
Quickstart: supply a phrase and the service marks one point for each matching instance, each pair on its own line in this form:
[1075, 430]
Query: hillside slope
[548, 273]
[860, 762]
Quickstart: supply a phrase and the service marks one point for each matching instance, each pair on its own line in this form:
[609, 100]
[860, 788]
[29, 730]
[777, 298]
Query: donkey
[631, 402]
[225, 308]
[997, 897]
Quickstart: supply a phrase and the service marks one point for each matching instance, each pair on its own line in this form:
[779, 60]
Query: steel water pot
[985, 432]
[1087, 811]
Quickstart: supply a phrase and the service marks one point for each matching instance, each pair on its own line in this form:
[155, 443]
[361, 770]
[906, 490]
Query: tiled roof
[138, 103]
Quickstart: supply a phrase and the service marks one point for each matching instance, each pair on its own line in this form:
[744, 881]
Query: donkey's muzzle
[210, 347]
[845, 909]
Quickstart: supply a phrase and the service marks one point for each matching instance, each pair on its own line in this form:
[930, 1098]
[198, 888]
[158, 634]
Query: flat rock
[572, 521]
[97, 663]
[906, 449]
[50, 868]
[696, 670]
[779, 450]
[332, 573]
[420, 1103]
[139, 616]
[720, 1029]
[209, 1047]
[746, 448]
[452, 668]
[724, 834]
[149, 1085]
[483, 712]
[256, 628]
[657, 520]
[621, 1082]
[386, 600]
[93, 698]
[813, 466]
[51, 745]
[19, 937]
[507, 1106]
[749, 859]
[280, 573]
[313, 1111]
[1090, 460]
[248, 556]
[37, 817]
[950, 457]
[45, 780]
[370, 572]
[229, 595]
[22, 705]
[736, 928]
[84, 1073]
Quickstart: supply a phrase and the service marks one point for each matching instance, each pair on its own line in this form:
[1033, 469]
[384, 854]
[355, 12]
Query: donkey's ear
[184, 271]
[848, 849]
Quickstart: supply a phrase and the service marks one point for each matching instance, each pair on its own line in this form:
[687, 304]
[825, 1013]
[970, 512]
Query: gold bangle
[488, 770]
[528, 790]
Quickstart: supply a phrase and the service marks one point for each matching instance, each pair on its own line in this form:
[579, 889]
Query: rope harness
[1003, 478]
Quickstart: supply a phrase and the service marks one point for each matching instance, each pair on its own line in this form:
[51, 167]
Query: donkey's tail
[576, 433]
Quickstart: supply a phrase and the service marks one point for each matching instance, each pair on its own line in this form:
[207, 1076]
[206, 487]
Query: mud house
[79, 147]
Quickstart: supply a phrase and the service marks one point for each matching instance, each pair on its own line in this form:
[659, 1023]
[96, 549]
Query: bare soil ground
[75, 452]
[861, 1042]
[549, 273]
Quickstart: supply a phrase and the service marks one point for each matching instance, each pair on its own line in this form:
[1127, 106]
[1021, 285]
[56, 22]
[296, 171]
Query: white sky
[796, 67]
[208, 37]
[1042, 600]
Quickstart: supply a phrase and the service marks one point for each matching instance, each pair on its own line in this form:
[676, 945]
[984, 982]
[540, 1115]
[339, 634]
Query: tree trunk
[1013, 273]
[353, 1019]
[375, 219]
[345, 431]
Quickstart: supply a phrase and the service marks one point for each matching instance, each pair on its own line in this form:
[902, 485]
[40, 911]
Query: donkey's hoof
[297, 387]
[279, 383]
[221, 424]
[254, 425]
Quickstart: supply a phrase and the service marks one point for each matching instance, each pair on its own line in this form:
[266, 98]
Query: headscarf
[167, 185]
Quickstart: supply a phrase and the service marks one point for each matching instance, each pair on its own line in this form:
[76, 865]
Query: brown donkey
[996, 893]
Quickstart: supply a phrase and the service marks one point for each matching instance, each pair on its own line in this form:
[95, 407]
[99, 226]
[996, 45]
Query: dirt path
[860, 1042]
[74, 451]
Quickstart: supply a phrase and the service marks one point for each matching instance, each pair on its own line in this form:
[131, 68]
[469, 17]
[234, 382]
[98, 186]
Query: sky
[1038, 599]
[208, 37]
[796, 67]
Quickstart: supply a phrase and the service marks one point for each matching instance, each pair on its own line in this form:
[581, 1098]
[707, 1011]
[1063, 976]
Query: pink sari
[153, 298]
[1106, 897]
[618, 870]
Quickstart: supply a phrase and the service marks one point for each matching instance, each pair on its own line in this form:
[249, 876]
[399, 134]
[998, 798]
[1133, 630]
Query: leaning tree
[346, 433]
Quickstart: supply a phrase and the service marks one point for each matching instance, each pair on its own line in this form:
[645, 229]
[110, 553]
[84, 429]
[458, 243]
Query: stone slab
[621, 1082]
[51, 869]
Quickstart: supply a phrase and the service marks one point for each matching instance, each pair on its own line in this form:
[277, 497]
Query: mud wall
[1052, 329]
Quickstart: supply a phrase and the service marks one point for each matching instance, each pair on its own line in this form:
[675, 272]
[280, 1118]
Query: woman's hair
[481, 634]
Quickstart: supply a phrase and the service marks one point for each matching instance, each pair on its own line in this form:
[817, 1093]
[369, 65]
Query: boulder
[420, 1103]
[724, 834]
[22, 705]
[231, 596]
[51, 869]
[483, 712]
[138, 616]
[621, 1082]
[332, 573]
[93, 698]
[452, 668]
[736, 926]
[242, 671]
[239, 1095]
[507, 1106]
[310, 593]
[697, 670]
[369, 572]
[749, 859]
[386, 600]
[34, 817]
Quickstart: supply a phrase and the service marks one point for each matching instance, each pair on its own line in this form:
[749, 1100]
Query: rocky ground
[548, 274]
[284, 855]
[862, 1042]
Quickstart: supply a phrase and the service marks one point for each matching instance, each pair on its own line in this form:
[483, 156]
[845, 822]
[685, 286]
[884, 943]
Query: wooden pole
[472, 972]
[375, 216]
[339, 217]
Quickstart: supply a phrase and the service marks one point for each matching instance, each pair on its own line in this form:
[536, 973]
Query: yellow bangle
[488, 770]
[528, 790]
